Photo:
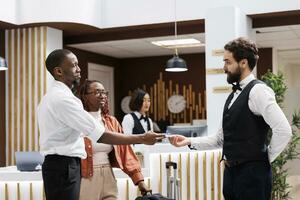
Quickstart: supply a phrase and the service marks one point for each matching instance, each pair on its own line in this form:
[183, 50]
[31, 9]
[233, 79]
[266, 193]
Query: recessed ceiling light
[179, 43]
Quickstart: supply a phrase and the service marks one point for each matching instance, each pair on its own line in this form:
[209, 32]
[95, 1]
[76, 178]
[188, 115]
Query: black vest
[245, 134]
[138, 128]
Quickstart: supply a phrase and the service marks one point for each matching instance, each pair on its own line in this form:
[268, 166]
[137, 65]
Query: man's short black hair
[242, 48]
[55, 58]
[137, 100]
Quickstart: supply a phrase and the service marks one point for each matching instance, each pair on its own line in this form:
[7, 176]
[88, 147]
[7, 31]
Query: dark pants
[61, 176]
[248, 181]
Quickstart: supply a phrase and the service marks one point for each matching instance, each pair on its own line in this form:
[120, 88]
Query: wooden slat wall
[200, 174]
[160, 93]
[26, 84]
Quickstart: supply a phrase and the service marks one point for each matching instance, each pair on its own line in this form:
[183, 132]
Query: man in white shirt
[62, 119]
[249, 112]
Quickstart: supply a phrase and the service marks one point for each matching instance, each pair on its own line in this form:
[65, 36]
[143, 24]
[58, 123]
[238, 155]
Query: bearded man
[249, 111]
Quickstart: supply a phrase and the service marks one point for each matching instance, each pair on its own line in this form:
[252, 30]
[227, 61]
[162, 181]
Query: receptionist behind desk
[138, 122]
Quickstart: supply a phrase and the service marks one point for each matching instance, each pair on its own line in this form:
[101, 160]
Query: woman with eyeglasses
[138, 122]
[98, 182]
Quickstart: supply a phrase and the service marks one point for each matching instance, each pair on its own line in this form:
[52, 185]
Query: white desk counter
[200, 173]
[12, 174]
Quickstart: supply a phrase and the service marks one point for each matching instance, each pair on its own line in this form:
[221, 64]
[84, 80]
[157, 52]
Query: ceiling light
[176, 64]
[178, 43]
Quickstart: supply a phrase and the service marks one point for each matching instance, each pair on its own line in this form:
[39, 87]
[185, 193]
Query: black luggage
[150, 196]
[173, 184]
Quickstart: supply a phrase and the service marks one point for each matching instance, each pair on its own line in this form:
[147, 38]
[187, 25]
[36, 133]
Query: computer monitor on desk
[187, 131]
[29, 160]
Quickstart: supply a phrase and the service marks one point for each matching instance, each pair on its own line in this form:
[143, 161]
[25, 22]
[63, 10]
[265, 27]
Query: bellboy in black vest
[249, 111]
[137, 122]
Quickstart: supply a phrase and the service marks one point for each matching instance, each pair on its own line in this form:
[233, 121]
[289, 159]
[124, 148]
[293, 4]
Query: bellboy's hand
[179, 140]
[151, 138]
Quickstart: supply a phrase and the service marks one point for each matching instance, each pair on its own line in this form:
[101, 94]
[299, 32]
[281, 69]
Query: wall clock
[176, 103]
[125, 104]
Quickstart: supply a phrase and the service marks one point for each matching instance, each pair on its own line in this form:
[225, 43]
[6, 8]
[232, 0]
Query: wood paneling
[2, 103]
[141, 31]
[136, 72]
[25, 86]
[265, 61]
[276, 19]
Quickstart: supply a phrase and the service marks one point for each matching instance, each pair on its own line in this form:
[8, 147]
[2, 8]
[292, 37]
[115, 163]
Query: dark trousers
[248, 181]
[61, 176]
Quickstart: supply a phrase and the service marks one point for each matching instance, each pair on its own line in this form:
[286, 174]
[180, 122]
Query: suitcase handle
[147, 193]
[171, 164]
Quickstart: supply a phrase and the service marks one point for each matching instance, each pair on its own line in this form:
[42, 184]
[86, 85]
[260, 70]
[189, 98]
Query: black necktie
[236, 87]
[143, 117]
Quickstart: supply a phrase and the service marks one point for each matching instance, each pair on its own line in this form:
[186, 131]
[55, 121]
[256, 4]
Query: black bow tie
[236, 87]
[143, 117]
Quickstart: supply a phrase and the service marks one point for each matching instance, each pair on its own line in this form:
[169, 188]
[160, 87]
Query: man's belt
[229, 163]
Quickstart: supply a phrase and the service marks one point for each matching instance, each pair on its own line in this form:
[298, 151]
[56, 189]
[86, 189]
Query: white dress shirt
[62, 120]
[261, 102]
[128, 123]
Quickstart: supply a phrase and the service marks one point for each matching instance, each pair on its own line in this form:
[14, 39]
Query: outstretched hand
[179, 140]
[151, 138]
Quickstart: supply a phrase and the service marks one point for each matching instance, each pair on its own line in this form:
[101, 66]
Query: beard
[233, 77]
[76, 82]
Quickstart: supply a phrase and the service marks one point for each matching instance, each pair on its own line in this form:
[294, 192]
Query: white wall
[215, 38]
[291, 103]
[54, 41]
[8, 11]
[114, 13]
[135, 12]
[77, 11]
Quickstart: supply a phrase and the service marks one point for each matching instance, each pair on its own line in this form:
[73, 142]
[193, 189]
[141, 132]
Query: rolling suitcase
[173, 183]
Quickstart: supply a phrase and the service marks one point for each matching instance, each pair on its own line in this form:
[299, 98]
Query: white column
[222, 24]
[54, 41]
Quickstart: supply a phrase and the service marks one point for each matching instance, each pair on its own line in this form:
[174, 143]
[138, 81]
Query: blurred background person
[98, 180]
[138, 122]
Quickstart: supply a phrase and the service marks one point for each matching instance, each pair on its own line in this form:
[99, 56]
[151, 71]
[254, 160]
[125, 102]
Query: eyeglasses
[98, 92]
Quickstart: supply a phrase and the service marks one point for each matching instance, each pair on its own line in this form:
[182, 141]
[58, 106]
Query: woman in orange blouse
[98, 182]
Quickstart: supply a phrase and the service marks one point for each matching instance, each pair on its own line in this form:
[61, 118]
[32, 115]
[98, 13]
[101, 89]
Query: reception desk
[16, 185]
[200, 176]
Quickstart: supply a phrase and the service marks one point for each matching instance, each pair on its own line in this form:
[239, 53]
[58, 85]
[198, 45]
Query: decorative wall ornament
[222, 89]
[160, 92]
[217, 52]
[215, 71]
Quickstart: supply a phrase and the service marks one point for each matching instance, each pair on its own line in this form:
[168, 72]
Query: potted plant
[280, 187]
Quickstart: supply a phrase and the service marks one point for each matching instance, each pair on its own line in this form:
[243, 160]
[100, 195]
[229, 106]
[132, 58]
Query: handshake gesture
[179, 140]
[151, 138]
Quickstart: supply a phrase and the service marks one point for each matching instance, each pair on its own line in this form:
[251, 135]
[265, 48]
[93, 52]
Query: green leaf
[280, 188]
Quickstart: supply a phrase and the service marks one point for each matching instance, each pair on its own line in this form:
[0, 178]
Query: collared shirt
[261, 102]
[62, 120]
[128, 123]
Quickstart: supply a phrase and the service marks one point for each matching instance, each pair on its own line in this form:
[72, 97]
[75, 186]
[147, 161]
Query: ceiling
[139, 47]
[286, 39]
